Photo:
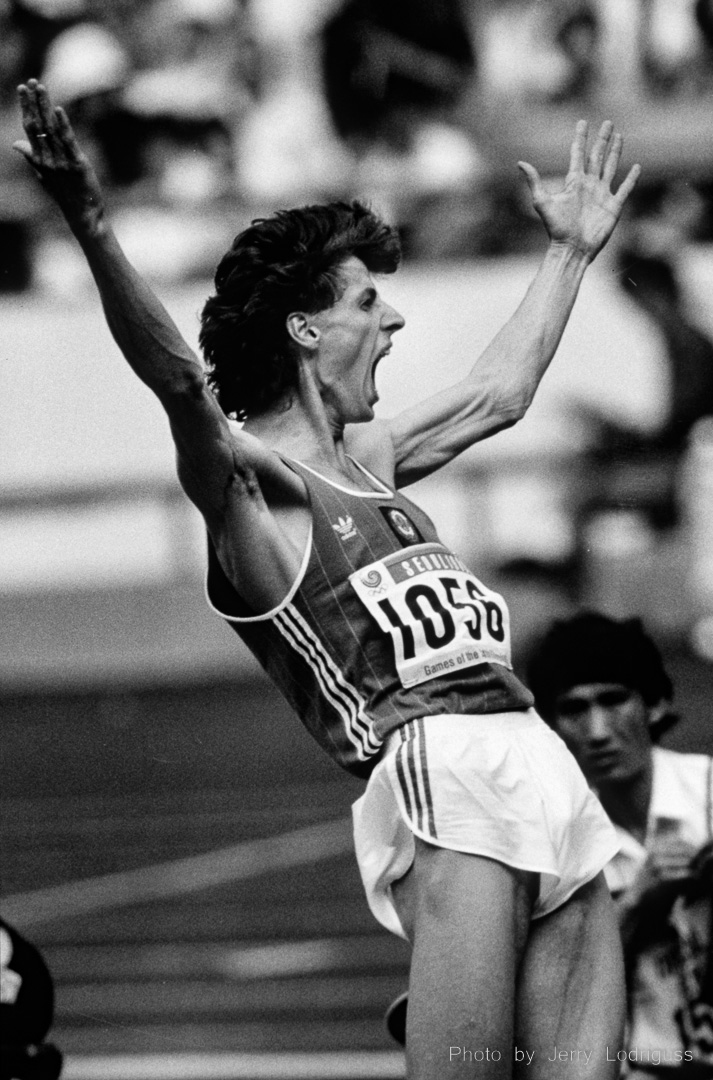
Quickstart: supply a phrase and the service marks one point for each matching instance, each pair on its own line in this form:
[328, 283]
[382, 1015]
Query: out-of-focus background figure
[601, 683]
[26, 1011]
[125, 752]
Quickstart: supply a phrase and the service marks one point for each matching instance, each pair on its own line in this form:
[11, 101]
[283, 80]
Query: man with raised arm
[477, 836]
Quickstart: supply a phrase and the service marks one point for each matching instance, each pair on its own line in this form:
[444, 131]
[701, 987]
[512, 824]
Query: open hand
[583, 214]
[54, 154]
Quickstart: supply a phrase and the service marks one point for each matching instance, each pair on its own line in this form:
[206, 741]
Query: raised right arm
[139, 323]
[223, 471]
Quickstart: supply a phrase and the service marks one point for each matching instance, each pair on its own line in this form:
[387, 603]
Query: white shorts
[502, 785]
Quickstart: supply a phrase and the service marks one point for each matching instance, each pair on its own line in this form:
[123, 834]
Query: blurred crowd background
[215, 110]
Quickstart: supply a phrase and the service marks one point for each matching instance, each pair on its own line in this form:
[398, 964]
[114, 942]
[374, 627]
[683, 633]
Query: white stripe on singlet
[345, 698]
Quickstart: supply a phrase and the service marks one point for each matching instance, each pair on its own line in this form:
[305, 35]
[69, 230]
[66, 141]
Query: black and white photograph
[356, 456]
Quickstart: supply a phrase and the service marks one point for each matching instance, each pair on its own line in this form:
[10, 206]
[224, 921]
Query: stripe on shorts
[412, 771]
[426, 780]
[401, 772]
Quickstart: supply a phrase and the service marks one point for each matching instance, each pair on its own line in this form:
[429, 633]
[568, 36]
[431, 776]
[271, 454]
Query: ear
[658, 711]
[302, 330]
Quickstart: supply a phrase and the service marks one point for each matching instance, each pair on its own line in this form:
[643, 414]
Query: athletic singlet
[383, 624]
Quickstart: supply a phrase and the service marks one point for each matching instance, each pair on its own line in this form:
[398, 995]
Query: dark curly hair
[284, 263]
[591, 648]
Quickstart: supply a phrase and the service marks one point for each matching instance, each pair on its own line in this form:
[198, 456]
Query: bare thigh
[468, 919]
[570, 1002]
[493, 994]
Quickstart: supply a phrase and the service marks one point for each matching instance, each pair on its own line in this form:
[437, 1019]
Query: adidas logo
[345, 528]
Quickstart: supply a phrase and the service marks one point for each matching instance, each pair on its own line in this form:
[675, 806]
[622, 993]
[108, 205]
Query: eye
[610, 698]
[571, 709]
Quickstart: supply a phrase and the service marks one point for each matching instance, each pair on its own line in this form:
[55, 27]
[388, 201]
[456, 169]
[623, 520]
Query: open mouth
[379, 357]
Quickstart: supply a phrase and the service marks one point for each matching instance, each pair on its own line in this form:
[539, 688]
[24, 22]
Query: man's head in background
[601, 684]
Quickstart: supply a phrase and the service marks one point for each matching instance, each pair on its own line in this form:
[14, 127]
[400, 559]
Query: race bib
[439, 616]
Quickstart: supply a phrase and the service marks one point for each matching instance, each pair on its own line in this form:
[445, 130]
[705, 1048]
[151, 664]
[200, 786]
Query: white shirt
[681, 803]
[682, 806]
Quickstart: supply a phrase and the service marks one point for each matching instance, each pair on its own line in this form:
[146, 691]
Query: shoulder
[230, 467]
[682, 782]
[270, 468]
[675, 763]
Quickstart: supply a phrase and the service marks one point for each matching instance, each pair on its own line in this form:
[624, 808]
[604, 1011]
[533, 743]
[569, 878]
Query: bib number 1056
[438, 622]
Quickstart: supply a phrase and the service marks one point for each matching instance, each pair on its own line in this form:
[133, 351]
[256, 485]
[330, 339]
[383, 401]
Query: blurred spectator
[26, 1010]
[289, 152]
[652, 283]
[602, 685]
[704, 18]
[12, 54]
[577, 33]
[697, 498]
[540, 52]
[629, 467]
[670, 42]
[676, 46]
[158, 91]
[84, 60]
[394, 72]
[388, 59]
[38, 22]
[192, 97]
[16, 194]
[87, 68]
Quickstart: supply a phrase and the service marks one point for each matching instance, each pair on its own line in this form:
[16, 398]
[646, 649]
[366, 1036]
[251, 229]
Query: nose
[392, 320]
[597, 725]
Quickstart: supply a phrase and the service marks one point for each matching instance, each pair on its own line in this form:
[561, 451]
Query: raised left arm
[499, 389]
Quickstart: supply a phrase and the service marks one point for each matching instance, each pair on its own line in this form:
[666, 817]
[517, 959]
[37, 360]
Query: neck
[627, 801]
[299, 426]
